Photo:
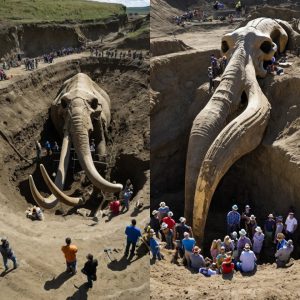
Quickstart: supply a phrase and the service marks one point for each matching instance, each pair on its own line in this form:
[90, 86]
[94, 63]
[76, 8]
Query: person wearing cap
[283, 254]
[154, 247]
[251, 225]
[162, 211]
[258, 240]
[188, 244]
[233, 220]
[168, 233]
[246, 216]
[227, 265]
[169, 221]
[179, 231]
[7, 253]
[279, 227]
[269, 229]
[197, 260]
[154, 223]
[221, 256]
[70, 256]
[133, 234]
[281, 241]
[243, 240]
[291, 224]
[90, 269]
[247, 260]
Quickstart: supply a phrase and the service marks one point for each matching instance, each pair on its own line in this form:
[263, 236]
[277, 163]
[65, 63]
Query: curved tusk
[48, 203]
[51, 201]
[239, 137]
[71, 201]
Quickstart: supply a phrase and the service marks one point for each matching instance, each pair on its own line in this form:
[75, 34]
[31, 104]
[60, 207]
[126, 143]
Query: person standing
[163, 210]
[258, 240]
[243, 240]
[291, 224]
[211, 79]
[233, 220]
[246, 216]
[154, 247]
[154, 223]
[269, 229]
[70, 255]
[90, 269]
[169, 221]
[133, 234]
[7, 253]
[188, 244]
[38, 149]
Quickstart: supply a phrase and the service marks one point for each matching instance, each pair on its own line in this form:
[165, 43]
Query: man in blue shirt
[188, 245]
[233, 220]
[133, 234]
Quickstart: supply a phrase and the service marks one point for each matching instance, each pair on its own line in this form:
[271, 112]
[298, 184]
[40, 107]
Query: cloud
[128, 3]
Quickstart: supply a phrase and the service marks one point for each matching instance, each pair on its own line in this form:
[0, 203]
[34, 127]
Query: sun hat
[170, 214]
[247, 247]
[291, 213]
[234, 234]
[182, 219]
[290, 242]
[252, 217]
[151, 230]
[222, 248]
[164, 225]
[162, 204]
[196, 249]
[235, 207]
[186, 234]
[154, 213]
[243, 232]
[247, 206]
[258, 229]
[271, 216]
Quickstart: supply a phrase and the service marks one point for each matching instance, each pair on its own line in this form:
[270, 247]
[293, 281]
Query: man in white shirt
[290, 226]
[247, 259]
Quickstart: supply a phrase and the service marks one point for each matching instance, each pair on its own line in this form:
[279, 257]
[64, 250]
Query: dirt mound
[162, 47]
[24, 118]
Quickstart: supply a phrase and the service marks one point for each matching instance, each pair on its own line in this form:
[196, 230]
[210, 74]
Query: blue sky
[129, 3]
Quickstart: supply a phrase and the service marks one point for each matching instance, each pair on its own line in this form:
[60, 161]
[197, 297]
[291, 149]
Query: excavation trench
[25, 118]
[266, 178]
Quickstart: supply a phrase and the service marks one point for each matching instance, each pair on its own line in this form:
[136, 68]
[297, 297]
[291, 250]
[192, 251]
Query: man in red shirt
[114, 206]
[169, 221]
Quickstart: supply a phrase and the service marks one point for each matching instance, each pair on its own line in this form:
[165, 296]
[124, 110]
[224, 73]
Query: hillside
[138, 10]
[34, 11]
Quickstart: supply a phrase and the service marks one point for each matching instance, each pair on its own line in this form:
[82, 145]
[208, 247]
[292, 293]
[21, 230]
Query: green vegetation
[138, 10]
[145, 29]
[24, 11]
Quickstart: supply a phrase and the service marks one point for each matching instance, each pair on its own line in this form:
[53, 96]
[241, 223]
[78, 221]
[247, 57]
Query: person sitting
[214, 250]
[283, 254]
[281, 242]
[197, 260]
[114, 207]
[35, 213]
[207, 271]
[221, 257]
[228, 244]
[247, 260]
[227, 265]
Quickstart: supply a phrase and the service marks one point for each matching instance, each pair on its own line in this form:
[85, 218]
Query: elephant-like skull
[217, 140]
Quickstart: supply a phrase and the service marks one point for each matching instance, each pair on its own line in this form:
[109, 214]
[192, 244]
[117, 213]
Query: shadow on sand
[57, 282]
[81, 293]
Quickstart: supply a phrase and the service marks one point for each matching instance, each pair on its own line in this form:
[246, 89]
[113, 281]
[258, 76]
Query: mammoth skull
[217, 140]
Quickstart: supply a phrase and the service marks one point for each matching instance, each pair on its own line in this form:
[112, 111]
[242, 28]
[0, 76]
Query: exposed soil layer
[25, 118]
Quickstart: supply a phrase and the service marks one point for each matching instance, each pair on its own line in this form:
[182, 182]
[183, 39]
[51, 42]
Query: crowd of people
[216, 68]
[118, 54]
[239, 250]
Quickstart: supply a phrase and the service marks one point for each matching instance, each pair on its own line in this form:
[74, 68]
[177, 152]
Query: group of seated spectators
[239, 250]
[131, 54]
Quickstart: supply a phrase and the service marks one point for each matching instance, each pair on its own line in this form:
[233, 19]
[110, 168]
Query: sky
[129, 3]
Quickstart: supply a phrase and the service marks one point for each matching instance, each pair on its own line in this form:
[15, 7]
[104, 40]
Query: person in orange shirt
[70, 255]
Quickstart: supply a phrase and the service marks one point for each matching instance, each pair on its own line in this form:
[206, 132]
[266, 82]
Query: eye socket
[266, 47]
[94, 103]
[224, 46]
[64, 103]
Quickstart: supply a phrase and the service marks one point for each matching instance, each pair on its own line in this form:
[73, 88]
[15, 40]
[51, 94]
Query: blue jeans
[71, 266]
[13, 259]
